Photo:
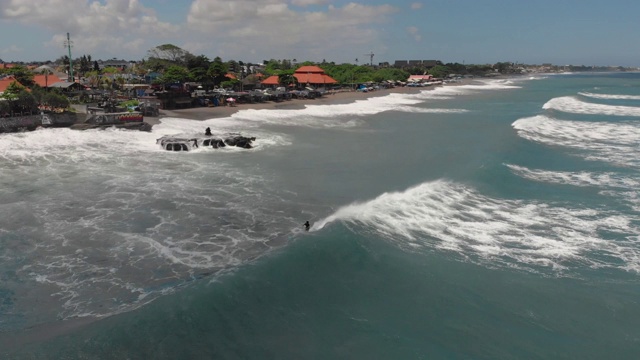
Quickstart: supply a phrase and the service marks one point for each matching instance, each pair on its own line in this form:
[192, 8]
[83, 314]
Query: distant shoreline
[345, 97]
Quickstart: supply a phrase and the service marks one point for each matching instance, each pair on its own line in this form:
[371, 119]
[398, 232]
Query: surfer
[307, 225]
[207, 132]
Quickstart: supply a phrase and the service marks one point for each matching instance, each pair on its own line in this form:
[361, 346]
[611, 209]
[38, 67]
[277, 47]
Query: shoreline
[205, 113]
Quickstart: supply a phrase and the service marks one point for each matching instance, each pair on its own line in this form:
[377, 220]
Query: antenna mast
[68, 43]
[371, 57]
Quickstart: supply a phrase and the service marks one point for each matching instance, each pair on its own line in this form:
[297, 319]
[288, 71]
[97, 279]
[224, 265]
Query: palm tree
[286, 78]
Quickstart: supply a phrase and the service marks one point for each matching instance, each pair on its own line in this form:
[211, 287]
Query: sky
[561, 32]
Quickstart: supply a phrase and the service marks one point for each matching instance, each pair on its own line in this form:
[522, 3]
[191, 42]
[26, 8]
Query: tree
[85, 64]
[110, 70]
[199, 61]
[12, 91]
[23, 75]
[93, 78]
[119, 80]
[272, 67]
[161, 57]
[286, 78]
[170, 53]
[233, 66]
[105, 82]
[56, 100]
[439, 71]
[217, 71]
[198, 67]
[19, 100]
[175, 74]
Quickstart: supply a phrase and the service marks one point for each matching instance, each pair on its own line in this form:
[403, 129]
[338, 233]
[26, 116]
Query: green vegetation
[20, 73]
[17, 99]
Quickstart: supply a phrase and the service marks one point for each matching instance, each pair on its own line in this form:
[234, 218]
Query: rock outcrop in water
[172, 143]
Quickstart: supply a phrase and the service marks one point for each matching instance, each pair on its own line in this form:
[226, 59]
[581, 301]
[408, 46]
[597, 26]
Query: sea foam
[615, 143]
[609, 96]
[528, 235]
[571, 104]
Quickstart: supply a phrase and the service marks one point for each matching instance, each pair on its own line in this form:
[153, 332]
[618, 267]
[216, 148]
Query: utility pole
[68, 43]
[371, 57]
[353, 76]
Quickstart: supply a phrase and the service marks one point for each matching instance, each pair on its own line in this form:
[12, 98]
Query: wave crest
[497, 232]
[570, 104]
[609, 96]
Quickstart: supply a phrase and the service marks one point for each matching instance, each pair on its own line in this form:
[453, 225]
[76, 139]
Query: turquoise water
[494, 220]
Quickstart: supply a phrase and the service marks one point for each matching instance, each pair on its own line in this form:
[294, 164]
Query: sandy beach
[205, 113]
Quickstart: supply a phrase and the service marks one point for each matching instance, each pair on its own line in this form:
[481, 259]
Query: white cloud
[274, 29]
[13, 49]
[120, 26]
[233, 29]
[303, 3]
[416, 6]
[414, 32]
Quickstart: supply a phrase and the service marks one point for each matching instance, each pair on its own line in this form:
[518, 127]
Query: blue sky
[585, 32]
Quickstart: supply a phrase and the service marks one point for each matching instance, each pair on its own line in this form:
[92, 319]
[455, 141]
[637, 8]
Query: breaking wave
[609, 96]
[527, 235]
[615, 143]
[571, 104]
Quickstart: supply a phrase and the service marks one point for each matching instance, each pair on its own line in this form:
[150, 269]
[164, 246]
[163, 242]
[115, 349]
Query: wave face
[497, 232]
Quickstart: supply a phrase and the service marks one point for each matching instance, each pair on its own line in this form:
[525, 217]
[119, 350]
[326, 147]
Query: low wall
[31, 122]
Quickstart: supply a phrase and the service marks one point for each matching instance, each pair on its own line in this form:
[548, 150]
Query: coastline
[206, 113]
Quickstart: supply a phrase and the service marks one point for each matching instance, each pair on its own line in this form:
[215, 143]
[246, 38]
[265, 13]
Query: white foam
[609, 96]
[614, 185]
[341, 115]
[608, 180]
[615, 143]
[497, 232]
[69, 190]
[73, 146]
[328, 115]
[571, 104]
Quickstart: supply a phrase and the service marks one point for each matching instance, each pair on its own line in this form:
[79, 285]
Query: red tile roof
[305, 75]
[4, 83]
[314, 78]
[271, 80]
[310, 69]
[45, 80]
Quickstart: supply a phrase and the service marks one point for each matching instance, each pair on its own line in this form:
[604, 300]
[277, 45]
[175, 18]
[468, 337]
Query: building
[6, 82]
[45, 80]
[305, 75]
[416, 63]
[67, 86]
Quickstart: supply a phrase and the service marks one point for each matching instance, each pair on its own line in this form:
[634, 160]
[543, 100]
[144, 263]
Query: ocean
[497, 219]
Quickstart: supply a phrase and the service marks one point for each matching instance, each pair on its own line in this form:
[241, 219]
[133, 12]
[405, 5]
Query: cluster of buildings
[47, 77]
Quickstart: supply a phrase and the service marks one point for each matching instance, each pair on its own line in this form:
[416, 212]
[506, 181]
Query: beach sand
[205, 113]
